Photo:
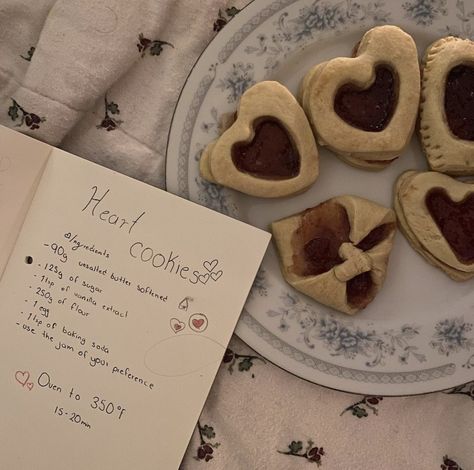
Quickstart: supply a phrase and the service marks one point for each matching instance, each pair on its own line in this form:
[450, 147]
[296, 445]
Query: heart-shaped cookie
[436, 214]
[337, 252]
[364, 108]
[269, 151]
[447, 106]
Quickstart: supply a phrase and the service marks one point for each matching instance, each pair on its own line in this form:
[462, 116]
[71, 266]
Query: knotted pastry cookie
[337, 252]
[269, 151]
[364, 108]
[447, 106]
[436, 214]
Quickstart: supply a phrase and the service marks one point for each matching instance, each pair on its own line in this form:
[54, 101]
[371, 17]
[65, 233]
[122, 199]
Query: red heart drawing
[210, 265]
[198, 323]
[30, 385]
[176, 325]
[22, 377]
[215, 276]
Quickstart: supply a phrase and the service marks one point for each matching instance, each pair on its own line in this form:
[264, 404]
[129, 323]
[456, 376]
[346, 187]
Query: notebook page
[117, 305]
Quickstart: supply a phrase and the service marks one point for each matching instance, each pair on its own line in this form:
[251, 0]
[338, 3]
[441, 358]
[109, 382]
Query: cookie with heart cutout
[269, 150]
[447, 106]
[337, 252]
[436, 214]
[364, 108]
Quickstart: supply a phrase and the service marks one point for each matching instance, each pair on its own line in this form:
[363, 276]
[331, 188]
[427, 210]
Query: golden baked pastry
[364, 108]
[436, 214]
[447, 106]
[337, 252]
[269, 151]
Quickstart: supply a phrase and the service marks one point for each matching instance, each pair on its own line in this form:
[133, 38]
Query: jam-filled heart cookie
[436, 214]
[364, 108]
[447, 106]
[269, 151]
[337, 252]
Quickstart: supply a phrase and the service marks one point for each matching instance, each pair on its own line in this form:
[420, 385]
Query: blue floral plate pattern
[417, 336]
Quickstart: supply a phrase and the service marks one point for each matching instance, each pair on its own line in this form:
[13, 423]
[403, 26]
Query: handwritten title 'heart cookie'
[436, 214]
[364, 108]
[337, 252]
[447, 106]
[269, 151]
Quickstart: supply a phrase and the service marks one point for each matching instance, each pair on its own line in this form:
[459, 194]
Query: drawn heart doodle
[215, 276]
[22, 377]
[177, 325]
[198, 322]
[210, 265]
[29, 385]
[203, 278]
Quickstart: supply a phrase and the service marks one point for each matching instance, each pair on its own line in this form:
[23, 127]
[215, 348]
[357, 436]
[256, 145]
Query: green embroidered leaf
[13, 112]
[245, 364]
[208, 431]
[157, 48]
[113, 108]
[232, 11]
[295, 447]
[359, 412]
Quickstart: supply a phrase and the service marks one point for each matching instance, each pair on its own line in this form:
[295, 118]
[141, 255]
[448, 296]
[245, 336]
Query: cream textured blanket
[100, 79]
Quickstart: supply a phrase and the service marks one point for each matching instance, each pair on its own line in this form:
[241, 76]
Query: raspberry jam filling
[459, 101]
[270, 155]
[455, 220]
[316, 242]
[370, 109]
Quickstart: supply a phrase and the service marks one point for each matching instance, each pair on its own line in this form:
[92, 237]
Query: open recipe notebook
[117, 301]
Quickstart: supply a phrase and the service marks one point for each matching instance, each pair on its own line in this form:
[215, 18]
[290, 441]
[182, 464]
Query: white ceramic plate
[417, 336]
